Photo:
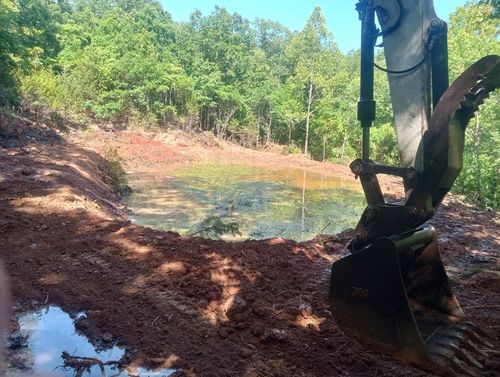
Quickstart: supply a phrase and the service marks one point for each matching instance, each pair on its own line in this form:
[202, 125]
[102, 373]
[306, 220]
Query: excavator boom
[393, 293]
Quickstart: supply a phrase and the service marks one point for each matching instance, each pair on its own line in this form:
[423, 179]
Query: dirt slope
[207, 308]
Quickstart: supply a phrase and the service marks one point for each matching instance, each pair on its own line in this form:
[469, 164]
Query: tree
[312, 52]
[8, 87]
[28, 41]
[495, 4]
[473, 33]
[287, 107]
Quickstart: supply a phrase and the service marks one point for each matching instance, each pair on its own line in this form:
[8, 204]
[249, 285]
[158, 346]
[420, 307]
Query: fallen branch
[81, 364]
[326, 226]
[278, 312]
[482, 307]
[154, 321]
[339, 349]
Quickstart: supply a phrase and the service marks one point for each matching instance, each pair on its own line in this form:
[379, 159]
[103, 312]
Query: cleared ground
[206, 308]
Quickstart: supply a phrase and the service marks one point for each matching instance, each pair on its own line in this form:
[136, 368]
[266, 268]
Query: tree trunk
[324, 147]
[477, 152]
[269, 124]
[344, 143]
[222, 122]
[290, 125]
[303, 207]
[308, 118]
[203, 117]
[257, 135]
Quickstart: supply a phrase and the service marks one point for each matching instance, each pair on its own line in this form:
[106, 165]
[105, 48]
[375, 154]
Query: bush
[292, 148]
[116, 172]
[384, 145]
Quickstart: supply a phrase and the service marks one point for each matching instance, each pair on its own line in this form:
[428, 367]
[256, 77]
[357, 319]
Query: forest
[126, 63]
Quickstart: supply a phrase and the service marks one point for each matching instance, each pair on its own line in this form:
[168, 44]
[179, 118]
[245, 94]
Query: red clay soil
[149, 151]
[204, 307]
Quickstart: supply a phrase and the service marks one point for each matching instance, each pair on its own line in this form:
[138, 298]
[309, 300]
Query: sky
[341, 17]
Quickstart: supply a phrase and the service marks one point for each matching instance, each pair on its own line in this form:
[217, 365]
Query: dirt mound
[18, 132]
[206, 308]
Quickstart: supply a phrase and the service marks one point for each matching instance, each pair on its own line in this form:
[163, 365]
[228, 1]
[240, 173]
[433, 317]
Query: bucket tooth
[458, 366]
[477, 329]
[442, 365]
[464, 342]
[472, 333]
[460, 353]
[462, 335]
[465, 355]
[473, 347]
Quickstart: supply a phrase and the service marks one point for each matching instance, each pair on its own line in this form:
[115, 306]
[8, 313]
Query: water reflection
[45, 334]
[290, 203]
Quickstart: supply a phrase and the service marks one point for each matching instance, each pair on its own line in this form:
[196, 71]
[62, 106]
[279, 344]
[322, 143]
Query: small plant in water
[216, 226]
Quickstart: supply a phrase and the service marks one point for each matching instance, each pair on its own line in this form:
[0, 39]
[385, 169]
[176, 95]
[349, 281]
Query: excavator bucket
[394, 296]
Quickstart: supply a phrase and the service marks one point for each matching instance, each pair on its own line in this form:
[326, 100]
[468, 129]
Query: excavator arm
[393, 293]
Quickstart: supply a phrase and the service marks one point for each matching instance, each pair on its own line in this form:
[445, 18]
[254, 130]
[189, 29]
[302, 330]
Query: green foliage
[8, 90]
[292, 149]
[474, 32]
[480, 179]
[28, 39]
[385, 147]
[316, 60]
[41, 89]
[216, 226]
[116, 172]
[495, 4]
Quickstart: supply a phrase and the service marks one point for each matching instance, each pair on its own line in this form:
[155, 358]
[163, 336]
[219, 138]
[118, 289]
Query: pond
[44, 334]
[246, 202]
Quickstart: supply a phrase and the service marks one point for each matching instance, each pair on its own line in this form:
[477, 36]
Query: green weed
[116, 172]
[216, 226]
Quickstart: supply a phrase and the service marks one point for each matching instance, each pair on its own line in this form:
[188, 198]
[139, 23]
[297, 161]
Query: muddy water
[42, 337]
[289, 203]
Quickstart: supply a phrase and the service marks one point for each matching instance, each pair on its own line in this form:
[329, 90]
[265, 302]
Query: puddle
[45, 334]
[289, 203]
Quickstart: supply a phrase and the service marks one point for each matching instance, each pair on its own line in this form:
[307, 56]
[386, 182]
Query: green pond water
[259, 203]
